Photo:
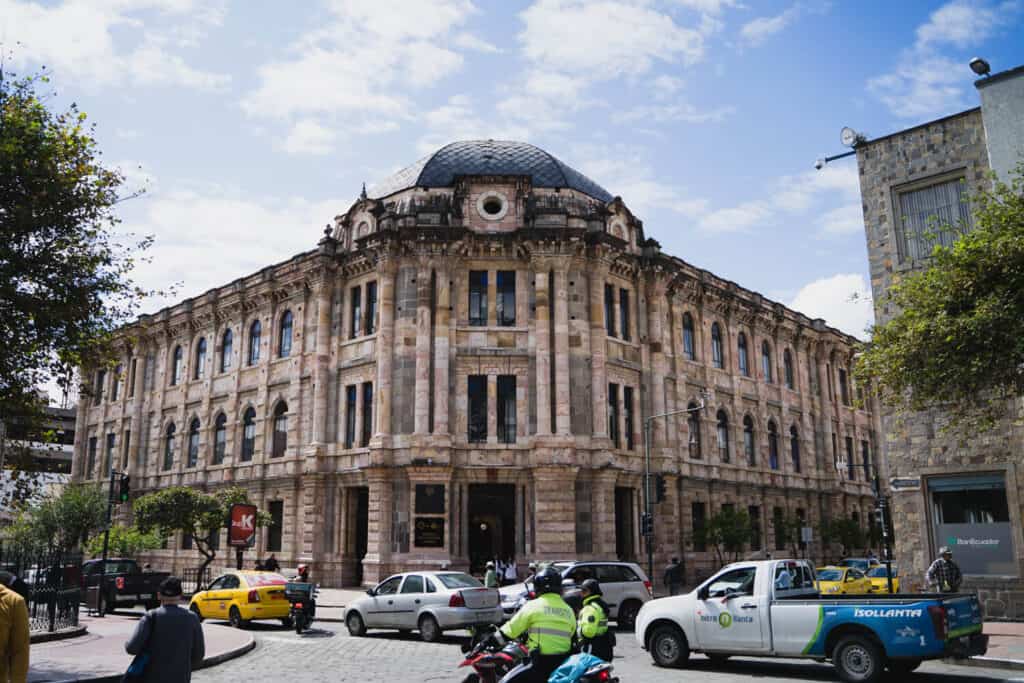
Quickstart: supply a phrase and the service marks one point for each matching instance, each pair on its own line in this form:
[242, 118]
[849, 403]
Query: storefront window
[971, 515]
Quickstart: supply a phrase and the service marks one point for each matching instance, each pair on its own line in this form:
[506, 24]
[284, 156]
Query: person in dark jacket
[171, 635]
[271, 564]
[674, 576]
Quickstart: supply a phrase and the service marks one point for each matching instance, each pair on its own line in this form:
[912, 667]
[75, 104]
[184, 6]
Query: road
[328, 653]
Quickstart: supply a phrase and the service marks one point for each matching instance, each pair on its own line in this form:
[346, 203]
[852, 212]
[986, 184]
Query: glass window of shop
[970, 515]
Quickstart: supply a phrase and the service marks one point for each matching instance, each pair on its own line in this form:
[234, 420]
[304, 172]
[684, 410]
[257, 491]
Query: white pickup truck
[772, 608]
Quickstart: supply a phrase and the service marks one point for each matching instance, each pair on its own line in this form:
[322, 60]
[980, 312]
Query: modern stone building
[945, 492]
[460, 370]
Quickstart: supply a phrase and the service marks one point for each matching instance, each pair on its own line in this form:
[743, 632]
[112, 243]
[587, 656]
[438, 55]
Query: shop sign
[430, 499]
[429, 532]
[242, 526]
[980, 549]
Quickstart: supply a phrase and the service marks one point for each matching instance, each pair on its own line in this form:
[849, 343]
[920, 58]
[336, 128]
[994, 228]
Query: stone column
[598, 349]
[139, 358]
[562, 392]
[603, 522]
[313, 521]
[492, 409]
[659, 368]
[378, 537]
[321, 371]
[385, 343]
[422, 387]
[442, 317]
[543, 351]
[555, 510]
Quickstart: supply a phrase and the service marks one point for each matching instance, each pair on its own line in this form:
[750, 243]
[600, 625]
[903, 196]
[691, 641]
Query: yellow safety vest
[593, 620]
[548, 622]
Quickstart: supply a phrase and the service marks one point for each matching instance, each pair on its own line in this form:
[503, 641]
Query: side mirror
[371, 592]
[702, 594]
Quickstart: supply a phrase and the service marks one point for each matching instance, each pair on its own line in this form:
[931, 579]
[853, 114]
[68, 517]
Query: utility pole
[106, 537]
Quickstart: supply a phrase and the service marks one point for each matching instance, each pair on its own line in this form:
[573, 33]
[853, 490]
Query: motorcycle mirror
[465, 647]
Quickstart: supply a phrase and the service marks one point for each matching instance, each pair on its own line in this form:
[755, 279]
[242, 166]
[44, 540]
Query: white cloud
[846, 220]
[758, 30]
[959, 23]
[739, 218]
[136, 177]
[457, 119]
[307, 136]
[76, 38]
[469, 41]
[661, 113]
[842, 300]
[708, 6]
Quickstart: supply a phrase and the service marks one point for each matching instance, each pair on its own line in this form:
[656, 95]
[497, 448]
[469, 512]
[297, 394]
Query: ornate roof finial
[328, 230]
[362, 195]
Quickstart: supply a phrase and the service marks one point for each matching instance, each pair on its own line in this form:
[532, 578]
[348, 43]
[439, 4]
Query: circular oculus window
[492, 206]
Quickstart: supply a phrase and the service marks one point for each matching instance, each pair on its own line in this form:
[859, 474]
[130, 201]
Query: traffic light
[659, 489]
[125, 489]
[647, 524]
[881, 520]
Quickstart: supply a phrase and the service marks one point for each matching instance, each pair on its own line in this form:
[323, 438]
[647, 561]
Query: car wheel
[717, 659]
[857, 660]
[429, 630]
[627, 614]
[355, 624]
[669, 647]
[903, 666]
[235, 618]
[194, 608]
[404, 631]
[287, 622]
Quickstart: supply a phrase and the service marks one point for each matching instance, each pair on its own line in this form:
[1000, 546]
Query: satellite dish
[848, 136]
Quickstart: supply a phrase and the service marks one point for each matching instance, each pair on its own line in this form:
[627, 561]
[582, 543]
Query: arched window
[794, 447]
[284, 343]
[748, 441]
[723, 436]
[280, 430]
[693, 426]
[220, 438]
[200, 359]
[176, 366]
[254, 342]
[169, 447]
[248, 434]
[741, 351]
[787, 362]
[193, 443]
[766, 361]
[773, 446]
[226, 350]
[716, 346]
[689, 349]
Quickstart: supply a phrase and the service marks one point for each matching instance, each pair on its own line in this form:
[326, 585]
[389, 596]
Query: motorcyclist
[303, 577]
[592, 629]
[549, 624]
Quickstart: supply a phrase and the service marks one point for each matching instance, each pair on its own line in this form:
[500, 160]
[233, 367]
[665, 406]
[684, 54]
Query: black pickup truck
[124, 584]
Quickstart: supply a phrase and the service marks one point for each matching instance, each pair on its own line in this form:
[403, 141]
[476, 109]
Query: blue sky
[253, 124]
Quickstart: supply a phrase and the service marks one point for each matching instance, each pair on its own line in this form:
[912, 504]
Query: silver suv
[624, 585]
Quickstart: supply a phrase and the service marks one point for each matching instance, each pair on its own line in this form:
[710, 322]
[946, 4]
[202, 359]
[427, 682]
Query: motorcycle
[302, 599]
[491, 659]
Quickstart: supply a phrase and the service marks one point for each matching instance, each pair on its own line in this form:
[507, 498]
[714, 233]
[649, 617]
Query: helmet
[592, 587]
[547, 580]
[302, 568]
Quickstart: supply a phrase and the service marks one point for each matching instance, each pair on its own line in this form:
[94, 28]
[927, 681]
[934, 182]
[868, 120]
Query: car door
[209, 603]
[379, 613]
[408, 601]
[729, 615]
[856, 582]
[613, 586]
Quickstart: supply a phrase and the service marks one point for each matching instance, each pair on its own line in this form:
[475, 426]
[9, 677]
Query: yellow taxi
[243, 596]
[842, 580]
[879, 582]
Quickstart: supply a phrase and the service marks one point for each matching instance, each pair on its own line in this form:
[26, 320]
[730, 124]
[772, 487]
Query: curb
[57, 635]
[988, 662]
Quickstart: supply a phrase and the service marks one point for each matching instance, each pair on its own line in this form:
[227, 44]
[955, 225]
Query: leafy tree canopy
[125, 541]
[727, 532]
[61, 521]
[957, 339]
[844, 532]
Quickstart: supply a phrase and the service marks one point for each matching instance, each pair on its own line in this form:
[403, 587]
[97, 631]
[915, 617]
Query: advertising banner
[979, 549]
[242, 526]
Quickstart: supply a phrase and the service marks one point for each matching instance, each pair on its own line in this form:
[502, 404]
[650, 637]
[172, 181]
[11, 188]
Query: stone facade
[949, 149]
[411, 489]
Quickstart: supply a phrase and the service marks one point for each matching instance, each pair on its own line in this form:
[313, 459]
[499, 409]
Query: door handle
[417, 602]
[748, 606]
[391, 602]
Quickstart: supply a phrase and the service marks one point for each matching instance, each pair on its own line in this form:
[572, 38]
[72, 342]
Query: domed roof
[489, 157]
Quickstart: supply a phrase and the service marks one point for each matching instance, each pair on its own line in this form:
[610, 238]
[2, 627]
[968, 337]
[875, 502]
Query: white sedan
[430, 602]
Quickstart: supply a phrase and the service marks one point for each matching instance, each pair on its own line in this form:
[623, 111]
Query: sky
[252, 124]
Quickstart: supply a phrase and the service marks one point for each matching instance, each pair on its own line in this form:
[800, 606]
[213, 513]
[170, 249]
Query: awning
[967, 482]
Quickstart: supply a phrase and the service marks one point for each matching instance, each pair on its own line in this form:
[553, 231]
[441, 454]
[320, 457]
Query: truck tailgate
[963, 615]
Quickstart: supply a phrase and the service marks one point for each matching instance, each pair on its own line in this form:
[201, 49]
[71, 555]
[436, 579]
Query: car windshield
[458, 580]
[830, 575]
[119, 567]
[264, 579]
[879, 572]
[859, 564]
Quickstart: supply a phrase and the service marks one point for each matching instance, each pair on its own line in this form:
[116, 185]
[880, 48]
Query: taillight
[650, 590]
[939, 621]
[603, 675]
[456, 600]
[119, 582]
[298, 605]
[254, 595]
[531, 595]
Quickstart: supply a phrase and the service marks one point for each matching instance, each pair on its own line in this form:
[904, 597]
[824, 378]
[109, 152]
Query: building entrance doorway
[359, 518]
[492, 524]
[625, 524]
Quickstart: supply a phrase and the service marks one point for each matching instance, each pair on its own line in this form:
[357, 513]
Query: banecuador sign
[242, 526]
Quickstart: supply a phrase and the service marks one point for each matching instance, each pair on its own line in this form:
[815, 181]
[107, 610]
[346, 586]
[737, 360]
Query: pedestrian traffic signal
[125, 489]
[659, 489]
[647, 524]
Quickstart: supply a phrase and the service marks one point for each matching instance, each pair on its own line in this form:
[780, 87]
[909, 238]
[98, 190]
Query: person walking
[944, 575]
[511, 572]
[271, 564]
[13, 637]
[674, 576]
[592, 628]
[491, 576]
[171, 636]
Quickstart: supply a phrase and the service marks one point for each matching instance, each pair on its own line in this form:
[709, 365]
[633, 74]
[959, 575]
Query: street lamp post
[882, 510]
[648, 521]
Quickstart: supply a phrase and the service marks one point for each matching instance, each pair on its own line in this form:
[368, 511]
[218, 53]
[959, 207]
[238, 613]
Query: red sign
[242, 526]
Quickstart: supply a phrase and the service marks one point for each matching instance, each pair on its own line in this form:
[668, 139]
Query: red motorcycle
[490, 660]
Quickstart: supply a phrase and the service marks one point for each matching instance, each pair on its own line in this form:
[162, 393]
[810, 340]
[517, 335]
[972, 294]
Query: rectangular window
[865, 457]
[91, 462]
[779, 522]
[754, 513]
[274, 531]
[624, 313]
[851, 464]
[367, 413]
[802, 518]
[186, 541]
[930, 216]
[350, 416]
[477, 391]
[356, 294]
[699, 521]
[627, 406]
[131, 376]
[108, 459]
[478, 298]
[214, 540]
[506, 409]
[371, 307]
[101, 379]
[609, 310]
[613, 413]
[584, 517]
[974, 510]
[844, 392]
[506, 303]
[115, 386]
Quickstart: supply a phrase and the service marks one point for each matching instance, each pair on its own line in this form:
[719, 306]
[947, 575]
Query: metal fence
[194, 579]
[53, 581]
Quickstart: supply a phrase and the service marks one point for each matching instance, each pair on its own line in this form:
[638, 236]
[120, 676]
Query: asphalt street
[328, 653]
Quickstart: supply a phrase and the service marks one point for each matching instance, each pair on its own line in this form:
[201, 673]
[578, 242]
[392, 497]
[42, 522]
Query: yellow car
[842, 580]
[241, 597]
[879, 582]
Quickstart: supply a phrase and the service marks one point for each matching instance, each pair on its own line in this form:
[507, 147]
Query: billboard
[981, 549]
[242, 526]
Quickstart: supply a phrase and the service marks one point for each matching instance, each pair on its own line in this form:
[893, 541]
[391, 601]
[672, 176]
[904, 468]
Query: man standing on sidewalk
[944, 574]
[13, 637]
[171, 635]
[674, 576]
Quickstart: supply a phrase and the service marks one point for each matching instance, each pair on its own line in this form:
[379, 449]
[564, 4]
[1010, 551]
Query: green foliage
[125, 541]
[726, 532]
[60, 521]
[844, 532]
[955, 342]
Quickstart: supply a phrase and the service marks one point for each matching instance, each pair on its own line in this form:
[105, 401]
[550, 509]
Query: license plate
[146, 596]
[128, 597]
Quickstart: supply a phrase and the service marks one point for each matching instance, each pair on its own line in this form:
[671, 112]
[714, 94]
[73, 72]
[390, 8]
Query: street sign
[242, 526]
[806, 534]
[905, 483]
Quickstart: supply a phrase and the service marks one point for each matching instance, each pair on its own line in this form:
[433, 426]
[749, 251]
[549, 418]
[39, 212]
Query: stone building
[460, 370]
[947, 493]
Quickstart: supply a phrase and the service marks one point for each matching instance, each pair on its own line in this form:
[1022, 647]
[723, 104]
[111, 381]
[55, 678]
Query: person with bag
[13, 637]
[168, 641]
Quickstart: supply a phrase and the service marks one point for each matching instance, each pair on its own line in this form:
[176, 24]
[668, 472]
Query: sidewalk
[330, 605]
[100, 652]
[1005, 645]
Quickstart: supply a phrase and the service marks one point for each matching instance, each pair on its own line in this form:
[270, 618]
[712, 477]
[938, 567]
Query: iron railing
[53, 583]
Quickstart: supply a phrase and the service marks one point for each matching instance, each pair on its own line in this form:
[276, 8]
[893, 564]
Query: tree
[845, 532]
[727, 532]
[192, 512]
[70, 517]
[125, 541]
[955, 341]
[792, 532]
